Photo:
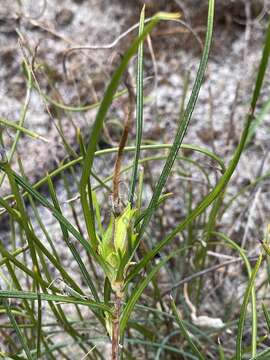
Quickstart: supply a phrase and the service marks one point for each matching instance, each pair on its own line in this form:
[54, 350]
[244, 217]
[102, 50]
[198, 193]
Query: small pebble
[205, 134]
[64, 17]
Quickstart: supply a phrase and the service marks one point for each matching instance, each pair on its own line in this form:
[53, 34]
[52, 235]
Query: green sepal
[122, 225]
[106, 247]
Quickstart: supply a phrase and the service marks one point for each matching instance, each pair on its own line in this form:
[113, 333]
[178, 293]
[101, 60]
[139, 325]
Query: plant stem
[115, 328]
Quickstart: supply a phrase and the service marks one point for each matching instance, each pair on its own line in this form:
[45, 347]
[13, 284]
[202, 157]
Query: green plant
[119, 248]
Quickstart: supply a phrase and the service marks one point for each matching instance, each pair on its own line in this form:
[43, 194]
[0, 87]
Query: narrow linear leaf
[15, 253]
[253, 292]
[184, 122]
[263, 355]
[71, 108]
[266, 315]
[243, 310]
[140, 288]
[18, 331]
[139, 110]
[39, 324]
[262, 69]
[69, 243]
[22, 129]
[5, 294]
[184, 332]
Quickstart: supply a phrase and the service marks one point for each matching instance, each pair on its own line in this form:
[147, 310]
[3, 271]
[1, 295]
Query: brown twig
[116, 207]
[123, 141]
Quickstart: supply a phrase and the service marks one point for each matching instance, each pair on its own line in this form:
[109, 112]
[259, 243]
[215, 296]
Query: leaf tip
[162, 15]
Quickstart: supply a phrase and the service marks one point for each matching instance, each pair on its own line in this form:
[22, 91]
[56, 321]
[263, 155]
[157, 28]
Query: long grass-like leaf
[71, 246]
[253, 292]
[15, 253]
[139, 110]
[185, 333]
[140, 288]
[39, 324]
[18, 331]
[22, 129]
[6, 294]
[243, 310]
[25, 221]
[184, 122]
[168, 348]
[262, 70]
[266, 315]
[263, 355]
[80, 109]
